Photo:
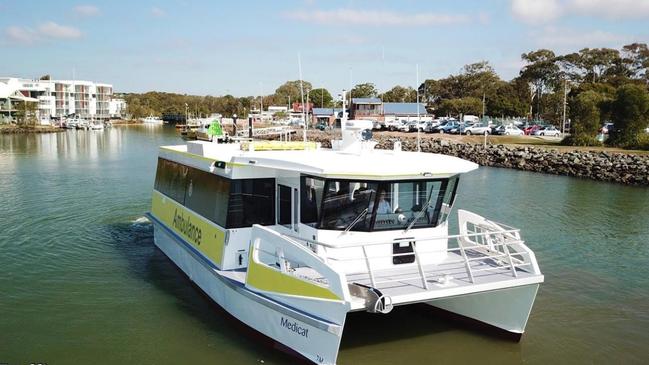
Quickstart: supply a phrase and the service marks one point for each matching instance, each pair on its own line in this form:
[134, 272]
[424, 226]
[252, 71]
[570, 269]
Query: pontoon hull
[506, 309]
[313, 338]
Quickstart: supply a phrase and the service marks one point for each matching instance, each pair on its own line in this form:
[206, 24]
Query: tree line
[587, 87]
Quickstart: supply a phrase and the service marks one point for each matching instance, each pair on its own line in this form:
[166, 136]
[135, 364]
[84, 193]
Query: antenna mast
[299, 64]
[418, 118]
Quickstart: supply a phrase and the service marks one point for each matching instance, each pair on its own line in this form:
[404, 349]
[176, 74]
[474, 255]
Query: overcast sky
[242, 47]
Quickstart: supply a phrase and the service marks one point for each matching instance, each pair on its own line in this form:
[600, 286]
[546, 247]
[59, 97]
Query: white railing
[496, 245]
[291, 255]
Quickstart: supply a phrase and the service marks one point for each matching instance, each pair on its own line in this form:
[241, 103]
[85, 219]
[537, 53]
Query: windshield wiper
[420, 213]
[358, 218]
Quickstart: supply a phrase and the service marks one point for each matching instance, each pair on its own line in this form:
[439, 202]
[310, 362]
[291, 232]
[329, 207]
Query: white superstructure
[290, 238]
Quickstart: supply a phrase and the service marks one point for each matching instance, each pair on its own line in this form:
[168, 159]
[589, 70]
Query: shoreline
[600, 165]
[14, 129]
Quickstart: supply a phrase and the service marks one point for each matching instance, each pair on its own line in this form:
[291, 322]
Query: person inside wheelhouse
[363, 205]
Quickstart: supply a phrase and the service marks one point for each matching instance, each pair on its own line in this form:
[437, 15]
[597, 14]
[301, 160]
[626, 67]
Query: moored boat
[289, 237]
[151, 120]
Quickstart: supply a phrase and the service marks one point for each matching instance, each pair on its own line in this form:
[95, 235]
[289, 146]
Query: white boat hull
[506, 309]
[315, 339]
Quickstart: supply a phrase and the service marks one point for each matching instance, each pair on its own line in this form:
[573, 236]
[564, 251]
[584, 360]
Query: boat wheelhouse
[289, 237]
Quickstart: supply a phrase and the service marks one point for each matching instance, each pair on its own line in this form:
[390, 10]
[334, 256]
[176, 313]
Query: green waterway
[82, 282]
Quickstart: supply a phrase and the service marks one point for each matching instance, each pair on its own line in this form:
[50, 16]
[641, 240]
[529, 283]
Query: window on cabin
[449, 199]
[284, 207]
[348, 205]
[252, 201]
[207, 194]
[171, 179]
[403, 202]
[312, 190]
[381, 205]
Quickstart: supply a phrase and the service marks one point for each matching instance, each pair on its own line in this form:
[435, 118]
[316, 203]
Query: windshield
[390, 205]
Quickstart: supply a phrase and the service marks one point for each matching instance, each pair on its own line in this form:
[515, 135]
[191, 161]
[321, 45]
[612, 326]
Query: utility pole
[483, 103]
[565, 97]
[418, 117]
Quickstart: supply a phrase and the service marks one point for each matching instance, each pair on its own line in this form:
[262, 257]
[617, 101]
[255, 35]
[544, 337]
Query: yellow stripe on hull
[265, 278]
[201, 233]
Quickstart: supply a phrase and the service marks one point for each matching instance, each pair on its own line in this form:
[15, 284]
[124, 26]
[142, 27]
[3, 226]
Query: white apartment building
[59, 98]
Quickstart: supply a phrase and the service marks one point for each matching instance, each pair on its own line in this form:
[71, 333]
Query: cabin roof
[372, 164]
[404, 108]
[366, 101]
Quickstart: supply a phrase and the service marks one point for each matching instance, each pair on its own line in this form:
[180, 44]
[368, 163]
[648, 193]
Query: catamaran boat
[151, 120]
[290, 238]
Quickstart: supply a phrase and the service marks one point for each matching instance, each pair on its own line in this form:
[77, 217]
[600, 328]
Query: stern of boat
[486, 273]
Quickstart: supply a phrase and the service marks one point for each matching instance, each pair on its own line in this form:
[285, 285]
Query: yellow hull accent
[268, 279]
[201, 233]
[279, 146]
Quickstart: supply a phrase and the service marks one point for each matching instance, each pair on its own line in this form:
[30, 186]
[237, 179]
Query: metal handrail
[493, 243]
[398, 240]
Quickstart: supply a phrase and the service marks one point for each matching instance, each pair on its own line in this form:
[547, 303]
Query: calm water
[81, 281]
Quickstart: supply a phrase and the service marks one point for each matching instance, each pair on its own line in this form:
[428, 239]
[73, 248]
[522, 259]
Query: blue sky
[242, 47]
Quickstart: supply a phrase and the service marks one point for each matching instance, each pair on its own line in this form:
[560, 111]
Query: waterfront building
[366, 108]
[117, 108]
[378, 111]
[58, 99]
[328, 116]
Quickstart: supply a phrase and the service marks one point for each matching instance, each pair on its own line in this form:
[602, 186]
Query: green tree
[636, 58]
[630, 113]
[400, 94]
[280, 115]
[542, 72]
[586, 116]
[26, 113]
[366, 90]
[291, 90]
[455, 107]
[321, 98]
[505, 101]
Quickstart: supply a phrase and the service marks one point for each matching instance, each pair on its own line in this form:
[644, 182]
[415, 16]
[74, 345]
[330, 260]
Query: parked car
[477, 129]
[548, 131]
[392, 125]
[507, 130]
[430, 126]
[421, 124]
[529, 131]
[404, 126]
[452, 127]
[606, 128]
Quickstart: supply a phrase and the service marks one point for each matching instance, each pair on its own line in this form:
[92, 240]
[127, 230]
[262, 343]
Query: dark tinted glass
[284, 211]
[171, 179]
[348, 204]
[252, 201]
[207, 195]
[312, 190]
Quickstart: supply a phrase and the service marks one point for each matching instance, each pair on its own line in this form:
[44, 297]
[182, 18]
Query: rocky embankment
[597, 165]
[13, 129]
